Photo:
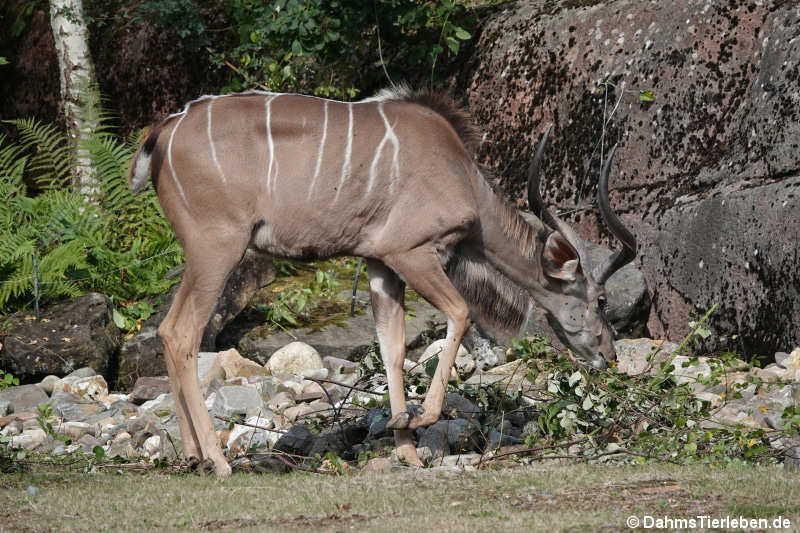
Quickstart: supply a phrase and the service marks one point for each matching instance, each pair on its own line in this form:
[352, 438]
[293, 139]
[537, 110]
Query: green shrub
[116, 244]
[332, 48]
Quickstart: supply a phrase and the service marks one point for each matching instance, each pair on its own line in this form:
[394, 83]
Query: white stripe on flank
[211, 141]
[169, 156]
[321, 148]
[268, 118]
[392, 138]
[348, 150]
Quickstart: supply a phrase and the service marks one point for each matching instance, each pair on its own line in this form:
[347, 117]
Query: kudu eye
[602, 303]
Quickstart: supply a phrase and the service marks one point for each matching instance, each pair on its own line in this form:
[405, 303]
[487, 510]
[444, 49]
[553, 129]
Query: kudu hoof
[404, 420]
[205, 467]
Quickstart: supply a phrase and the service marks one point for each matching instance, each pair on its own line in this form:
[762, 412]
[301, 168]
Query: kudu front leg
[422, 269]
[388, 291]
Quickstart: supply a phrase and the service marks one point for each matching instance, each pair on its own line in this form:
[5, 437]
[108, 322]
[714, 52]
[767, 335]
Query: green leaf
[647, 96]
[119, 320]
[3, 61]
[431, 364]
[297, 48]
[99, 453]
[461, 33]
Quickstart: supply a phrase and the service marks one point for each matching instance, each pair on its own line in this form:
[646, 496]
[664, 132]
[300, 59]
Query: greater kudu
[392, 179]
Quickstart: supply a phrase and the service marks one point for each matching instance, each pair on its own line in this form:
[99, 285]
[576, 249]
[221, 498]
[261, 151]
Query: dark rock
[456, 406]
[22, 397]
[375, 420]
[339, 440]
[269, 464]
[149, 388]
[72, 407]
[143, 355]
[72, 334]
[707, 176]
[297, 441]
[448, 436]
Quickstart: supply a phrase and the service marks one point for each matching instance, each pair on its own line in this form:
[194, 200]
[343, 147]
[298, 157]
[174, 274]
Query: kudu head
[576, 309]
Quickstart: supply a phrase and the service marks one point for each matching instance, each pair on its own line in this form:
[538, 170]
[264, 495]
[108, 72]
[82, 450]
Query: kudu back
[392, 179]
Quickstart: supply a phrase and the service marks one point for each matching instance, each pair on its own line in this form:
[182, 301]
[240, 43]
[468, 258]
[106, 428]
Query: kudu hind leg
[207, 269]
[422, 270]
[387, 291]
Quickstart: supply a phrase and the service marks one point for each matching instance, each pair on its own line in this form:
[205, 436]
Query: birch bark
[78, 89]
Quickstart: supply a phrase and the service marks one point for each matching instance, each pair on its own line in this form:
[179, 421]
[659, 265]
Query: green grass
[533, 498]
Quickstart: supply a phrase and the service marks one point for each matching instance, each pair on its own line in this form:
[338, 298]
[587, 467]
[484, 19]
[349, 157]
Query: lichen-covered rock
[706, 176]
[71, 334]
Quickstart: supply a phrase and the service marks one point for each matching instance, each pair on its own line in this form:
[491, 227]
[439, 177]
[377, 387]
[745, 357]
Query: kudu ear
[560, 260]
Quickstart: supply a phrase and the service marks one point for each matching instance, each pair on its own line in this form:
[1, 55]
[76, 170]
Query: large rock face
[71, 334]
[707, 176]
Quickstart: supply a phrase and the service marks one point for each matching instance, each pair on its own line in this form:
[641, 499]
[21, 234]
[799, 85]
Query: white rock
[242, 437]
[75, 430]
[296, 358]
[280, 401]
[209, 369]
[436, 347]
[48, 383]
[152, 446]
[90, 388]
[29, 439]
[161, 401]
[121, 436]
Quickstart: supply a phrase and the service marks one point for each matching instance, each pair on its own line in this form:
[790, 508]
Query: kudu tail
[139, 169]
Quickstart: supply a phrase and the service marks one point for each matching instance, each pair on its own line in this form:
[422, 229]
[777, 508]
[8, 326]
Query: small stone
[241, 438]
[238, 400]
[162, 403]
[152, 447]
[149, 388]
[296, 358]
[75, 430]
[636, 356]
[209, 369]
[298, 440]
[456, 406]
[434, 349]
[71, 407]
[47, 383]
[31, 490]
[12, 429]
[465, 364]
[298, 411]
[83, 372]
[90, 387]
[23, 397]
[467, 459]
[337, 365]
[281, 401]
[29, 439]
[5, 407]
[235, 365]
[377, 464]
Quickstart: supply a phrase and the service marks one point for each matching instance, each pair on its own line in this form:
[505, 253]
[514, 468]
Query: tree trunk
[78, 88]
